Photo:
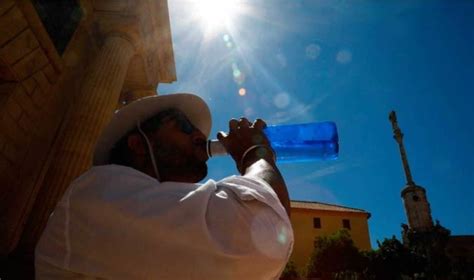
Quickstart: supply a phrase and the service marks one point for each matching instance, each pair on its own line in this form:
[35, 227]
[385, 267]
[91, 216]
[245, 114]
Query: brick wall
[28, 117]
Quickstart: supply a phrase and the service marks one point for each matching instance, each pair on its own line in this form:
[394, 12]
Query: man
[140, 214]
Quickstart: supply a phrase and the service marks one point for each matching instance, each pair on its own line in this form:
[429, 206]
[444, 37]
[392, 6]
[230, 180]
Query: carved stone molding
[145, 23]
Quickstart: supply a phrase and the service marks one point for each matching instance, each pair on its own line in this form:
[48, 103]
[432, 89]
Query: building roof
[314, 205]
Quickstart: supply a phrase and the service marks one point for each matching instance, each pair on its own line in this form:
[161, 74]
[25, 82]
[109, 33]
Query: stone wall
[49, 102]
[29, 69]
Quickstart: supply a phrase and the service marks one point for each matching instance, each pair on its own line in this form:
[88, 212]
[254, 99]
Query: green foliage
[422, 255]
[391, 261]
[430, 246]
[290, 272]
[335, 257]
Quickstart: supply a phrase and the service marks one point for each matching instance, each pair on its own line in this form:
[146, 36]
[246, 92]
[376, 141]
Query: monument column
[414, 197]
[90, 112]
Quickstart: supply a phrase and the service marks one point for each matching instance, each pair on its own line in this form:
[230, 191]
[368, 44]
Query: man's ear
[136, 144]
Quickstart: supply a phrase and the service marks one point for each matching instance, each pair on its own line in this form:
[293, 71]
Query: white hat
[125, 119]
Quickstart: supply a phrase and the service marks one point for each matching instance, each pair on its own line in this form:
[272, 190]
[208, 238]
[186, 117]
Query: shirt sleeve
[245, 217]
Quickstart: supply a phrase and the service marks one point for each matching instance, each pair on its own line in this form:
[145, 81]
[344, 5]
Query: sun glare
[216, 14]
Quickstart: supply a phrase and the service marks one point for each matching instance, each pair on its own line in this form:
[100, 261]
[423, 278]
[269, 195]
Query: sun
[216, 15]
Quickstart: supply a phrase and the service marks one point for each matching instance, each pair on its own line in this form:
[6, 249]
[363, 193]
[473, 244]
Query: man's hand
[243, 136]
[253, 155]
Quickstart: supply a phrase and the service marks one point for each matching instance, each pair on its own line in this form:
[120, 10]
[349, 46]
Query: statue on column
[414, 197]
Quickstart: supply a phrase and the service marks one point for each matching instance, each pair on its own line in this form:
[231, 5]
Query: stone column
[91, 111]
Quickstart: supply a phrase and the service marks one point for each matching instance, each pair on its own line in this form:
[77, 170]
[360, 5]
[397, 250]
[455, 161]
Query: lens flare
[271, 236]
[313, 51]
[344, 56]
[248, 112]
[216, 14]
[282, 100]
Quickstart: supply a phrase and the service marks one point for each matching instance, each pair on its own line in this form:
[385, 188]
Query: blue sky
[350, 62]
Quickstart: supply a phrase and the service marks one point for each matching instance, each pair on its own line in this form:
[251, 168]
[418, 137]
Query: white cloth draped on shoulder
[115, 222]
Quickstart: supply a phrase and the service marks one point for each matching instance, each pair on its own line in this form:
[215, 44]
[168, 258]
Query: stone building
[65, 67]
[312, 219]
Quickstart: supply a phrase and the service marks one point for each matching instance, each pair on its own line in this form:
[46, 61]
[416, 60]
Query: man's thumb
[221, 136]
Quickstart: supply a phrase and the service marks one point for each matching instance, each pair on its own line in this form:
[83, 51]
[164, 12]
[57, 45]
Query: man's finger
[243, 122]
[233, 124]
[260, 124]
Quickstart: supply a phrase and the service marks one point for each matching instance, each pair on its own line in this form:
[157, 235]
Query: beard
[175, 164]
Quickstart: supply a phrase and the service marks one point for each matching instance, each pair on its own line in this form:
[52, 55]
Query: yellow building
[313, 219]
[65, 67]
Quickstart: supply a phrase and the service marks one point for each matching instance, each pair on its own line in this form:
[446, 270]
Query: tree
[392, 261]
[335, 257]
[422, 255]
[290, 272]
[430, 245]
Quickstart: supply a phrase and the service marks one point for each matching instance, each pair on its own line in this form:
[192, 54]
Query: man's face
[179, 149]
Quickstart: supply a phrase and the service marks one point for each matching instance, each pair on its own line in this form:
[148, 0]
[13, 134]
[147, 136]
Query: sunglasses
[184, 124]
[172, 114]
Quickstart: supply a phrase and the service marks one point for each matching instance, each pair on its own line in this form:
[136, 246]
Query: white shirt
[115, 222]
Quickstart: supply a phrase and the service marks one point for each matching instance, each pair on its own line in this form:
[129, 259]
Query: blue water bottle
[296, 142]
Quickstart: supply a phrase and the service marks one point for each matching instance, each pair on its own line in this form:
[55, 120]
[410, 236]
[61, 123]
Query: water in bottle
[297, 142]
